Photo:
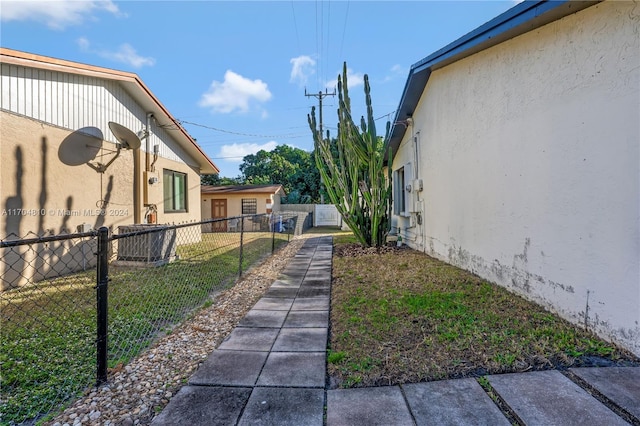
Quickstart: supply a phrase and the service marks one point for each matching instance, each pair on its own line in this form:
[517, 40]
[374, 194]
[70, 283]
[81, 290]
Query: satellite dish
[81, 146]
[127, 139]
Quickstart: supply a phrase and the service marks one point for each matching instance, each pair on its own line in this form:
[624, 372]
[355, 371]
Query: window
[398, 191]
[175, 191]
[249, 206]
[402, 197]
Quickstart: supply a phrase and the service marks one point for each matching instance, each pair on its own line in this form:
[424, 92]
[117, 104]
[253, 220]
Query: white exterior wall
[530, 156]
[77, 102]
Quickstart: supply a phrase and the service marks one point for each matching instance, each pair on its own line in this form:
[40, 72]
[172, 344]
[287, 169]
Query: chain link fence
[59, 293]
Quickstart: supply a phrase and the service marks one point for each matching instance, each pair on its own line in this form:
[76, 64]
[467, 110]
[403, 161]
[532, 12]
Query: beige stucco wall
[234, 202]
[46, 190]
[530, 157]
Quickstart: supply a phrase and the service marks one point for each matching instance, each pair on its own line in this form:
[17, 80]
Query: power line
[344, 30]
[295, 25]
[236, 133]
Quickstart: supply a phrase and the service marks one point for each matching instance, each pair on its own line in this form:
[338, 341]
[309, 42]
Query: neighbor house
[84, 147]
[234, 200]
[517, 157]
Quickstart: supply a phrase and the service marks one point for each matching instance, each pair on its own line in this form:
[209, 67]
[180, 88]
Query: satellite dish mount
[126, 139]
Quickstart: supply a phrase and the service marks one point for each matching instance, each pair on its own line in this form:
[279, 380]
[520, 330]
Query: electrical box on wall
[152, 189]
[417, 185]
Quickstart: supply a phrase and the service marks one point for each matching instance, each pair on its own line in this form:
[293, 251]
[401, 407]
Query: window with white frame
[175, 191]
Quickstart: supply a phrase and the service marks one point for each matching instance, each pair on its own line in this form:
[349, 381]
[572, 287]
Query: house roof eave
[131, 83]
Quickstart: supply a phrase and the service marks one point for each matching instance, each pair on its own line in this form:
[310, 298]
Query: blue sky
[235, 72]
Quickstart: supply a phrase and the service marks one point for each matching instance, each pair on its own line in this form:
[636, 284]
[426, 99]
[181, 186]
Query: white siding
[74, 102]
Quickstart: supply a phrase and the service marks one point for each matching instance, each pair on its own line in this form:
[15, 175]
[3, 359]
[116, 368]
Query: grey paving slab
[549, 398]
[307, 319]
[274, 304]
[294, 369]
[619, 384]
[284, 406]
[286, 282]
[286, 292]
[316, 283]
[382, 406]
[250, 339]
[230, 368]
[452, 402]
[301, 340]
[313, 292]
[262, 318]
[318, 303]
[316, 276]
[202, 405]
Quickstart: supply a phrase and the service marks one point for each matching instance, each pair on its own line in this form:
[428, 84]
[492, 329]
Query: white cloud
[395, 71]
[125, 54]
[235, 93]
[354, 79]
[237, 151]
[302, 68]
[56, 15]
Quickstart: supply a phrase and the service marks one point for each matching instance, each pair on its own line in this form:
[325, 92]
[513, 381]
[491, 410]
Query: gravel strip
[139, 391]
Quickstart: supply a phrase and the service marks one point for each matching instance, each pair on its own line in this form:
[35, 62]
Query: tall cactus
[353, 170]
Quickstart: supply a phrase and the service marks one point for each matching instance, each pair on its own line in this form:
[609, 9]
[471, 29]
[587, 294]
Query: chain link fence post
[102, 303]
[273, 222]
[241, 247]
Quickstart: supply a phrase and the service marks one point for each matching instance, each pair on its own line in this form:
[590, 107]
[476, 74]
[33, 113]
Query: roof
[240, 189]
[522, 18]
[131, 83]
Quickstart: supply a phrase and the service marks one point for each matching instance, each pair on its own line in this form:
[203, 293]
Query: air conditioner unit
[156, 245]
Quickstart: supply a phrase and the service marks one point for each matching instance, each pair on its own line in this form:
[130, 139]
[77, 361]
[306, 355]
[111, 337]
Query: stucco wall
[46, 190]
[234, 202]
[530, 157]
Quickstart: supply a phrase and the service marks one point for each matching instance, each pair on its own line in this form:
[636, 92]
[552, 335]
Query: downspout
[419, 214]
[137, 184]
[147, 135]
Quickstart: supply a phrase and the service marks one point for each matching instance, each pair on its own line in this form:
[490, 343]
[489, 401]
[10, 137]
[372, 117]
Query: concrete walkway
[271, 370]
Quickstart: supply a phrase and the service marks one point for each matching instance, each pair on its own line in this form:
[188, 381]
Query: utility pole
[320, 95]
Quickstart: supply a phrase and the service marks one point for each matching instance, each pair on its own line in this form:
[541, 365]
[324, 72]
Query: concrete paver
[313, 292]
[294, 369]
[274, 304]
[452, 402]
[284, 407]
[382, 406]
[619, 384]
[549, 398]
[230, 368]
[204, 406]
[318, 303]
[282, 292]
[263, 319]
[301, 340]
[250, 339]
[307, 319]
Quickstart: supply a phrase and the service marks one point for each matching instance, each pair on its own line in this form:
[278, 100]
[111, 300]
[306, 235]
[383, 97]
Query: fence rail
[59, 293]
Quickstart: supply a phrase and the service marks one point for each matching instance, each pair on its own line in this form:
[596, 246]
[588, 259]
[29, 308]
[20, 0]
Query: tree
[216, 180]
[353, 171]
[293, 168]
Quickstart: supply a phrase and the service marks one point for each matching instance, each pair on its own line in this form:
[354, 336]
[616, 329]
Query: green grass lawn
[401, 316]
[47, 340]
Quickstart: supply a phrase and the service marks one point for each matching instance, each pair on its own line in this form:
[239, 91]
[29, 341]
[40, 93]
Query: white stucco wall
[530, 157]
